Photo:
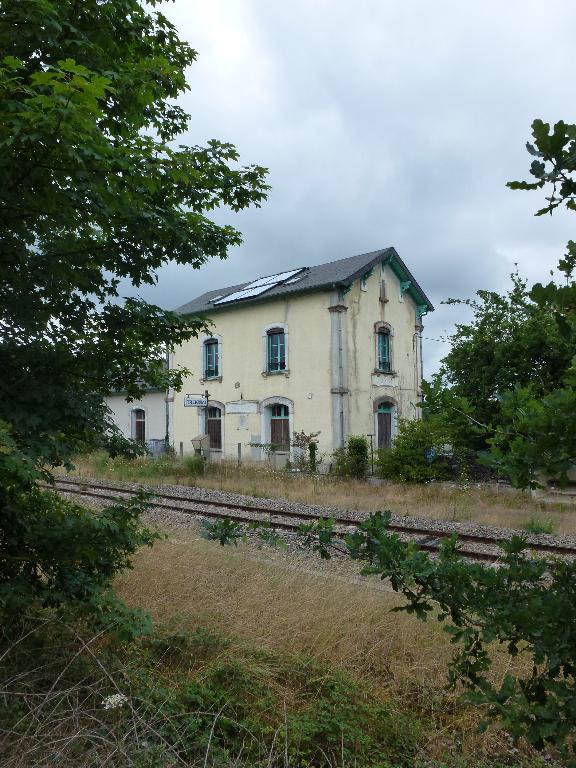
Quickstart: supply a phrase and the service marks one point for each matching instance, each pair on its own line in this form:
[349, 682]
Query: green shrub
[195, 464]
[536, 525]
[353, 460]
[420, 452]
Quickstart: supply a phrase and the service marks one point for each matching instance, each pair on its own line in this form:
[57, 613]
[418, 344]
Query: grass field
[295, 618]
[300, 652]
[487, 505]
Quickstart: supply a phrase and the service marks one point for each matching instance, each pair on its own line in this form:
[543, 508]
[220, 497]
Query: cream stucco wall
[330, 385]
[305, 386]
[154, 406]
[401, 387]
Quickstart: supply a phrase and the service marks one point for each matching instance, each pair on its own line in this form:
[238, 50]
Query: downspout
[167, 402]
[341, 379]
[419, 363]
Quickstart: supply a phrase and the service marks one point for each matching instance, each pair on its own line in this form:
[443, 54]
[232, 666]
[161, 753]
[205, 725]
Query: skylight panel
[245, 293]
[261, 285]
[273, 279]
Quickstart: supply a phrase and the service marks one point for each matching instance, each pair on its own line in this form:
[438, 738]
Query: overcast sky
[383, 122]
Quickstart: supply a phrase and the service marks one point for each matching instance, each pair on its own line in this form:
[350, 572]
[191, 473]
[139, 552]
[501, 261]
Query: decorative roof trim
[390, 256]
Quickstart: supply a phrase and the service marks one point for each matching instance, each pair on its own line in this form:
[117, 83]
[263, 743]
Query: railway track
[473, 546]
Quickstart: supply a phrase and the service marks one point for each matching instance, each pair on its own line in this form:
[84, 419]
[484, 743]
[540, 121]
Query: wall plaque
[242, 406]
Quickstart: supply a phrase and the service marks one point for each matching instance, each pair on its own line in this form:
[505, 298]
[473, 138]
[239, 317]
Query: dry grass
[486, 505]
[266, 604]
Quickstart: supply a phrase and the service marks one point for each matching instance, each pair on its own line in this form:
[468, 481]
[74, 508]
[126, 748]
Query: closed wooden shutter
[280, 427]
[214, 428]
[280, 433]
[384, 429]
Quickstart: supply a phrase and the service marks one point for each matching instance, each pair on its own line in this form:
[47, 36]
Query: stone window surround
[265, 332]
[383, 326]
[133, 410]
[203, 339]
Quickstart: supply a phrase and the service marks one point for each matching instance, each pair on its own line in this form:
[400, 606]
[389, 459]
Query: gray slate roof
[334, 274]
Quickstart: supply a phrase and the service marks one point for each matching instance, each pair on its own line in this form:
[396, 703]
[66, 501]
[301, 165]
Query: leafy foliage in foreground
[95, 191]
[65, 556]
[524, 605]
[95, 194]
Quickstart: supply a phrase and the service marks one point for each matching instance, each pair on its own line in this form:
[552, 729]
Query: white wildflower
[115, 701]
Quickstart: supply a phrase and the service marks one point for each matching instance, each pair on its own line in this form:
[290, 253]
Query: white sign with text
[195, 401]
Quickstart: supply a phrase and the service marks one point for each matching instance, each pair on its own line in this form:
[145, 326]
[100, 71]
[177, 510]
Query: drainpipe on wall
[338, 375]
[169, 399]
[419, 363]
[341, 379]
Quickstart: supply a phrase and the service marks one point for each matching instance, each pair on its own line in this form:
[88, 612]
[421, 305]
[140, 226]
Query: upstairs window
[383, 345]
[211, 359]
[276, 350]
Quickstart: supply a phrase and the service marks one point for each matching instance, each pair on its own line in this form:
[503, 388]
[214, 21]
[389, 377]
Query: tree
[541, 442]
[509, 342]
[94, 189]
[511, 371]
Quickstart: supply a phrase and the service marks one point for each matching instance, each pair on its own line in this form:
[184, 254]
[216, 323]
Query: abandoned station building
[334, 349]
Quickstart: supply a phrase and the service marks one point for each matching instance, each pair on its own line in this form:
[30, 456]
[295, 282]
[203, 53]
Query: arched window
[280, 426]
[214, 427]
[139, 425]
[276, 357]
[383, 362]
[211, 359]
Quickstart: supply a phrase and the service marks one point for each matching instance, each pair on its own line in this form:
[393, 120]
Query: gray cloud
[382, 123]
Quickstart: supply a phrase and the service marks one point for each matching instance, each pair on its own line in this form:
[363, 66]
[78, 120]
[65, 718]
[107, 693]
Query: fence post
[181, 449]
[239, 453]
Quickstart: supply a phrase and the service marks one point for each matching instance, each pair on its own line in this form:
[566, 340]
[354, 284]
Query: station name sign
[195, 401]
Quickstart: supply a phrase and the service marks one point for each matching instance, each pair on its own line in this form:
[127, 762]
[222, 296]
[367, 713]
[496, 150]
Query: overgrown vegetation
[260, 599]
[182, 698]
[95, 189]
[423, 450]
[353, 459]
[305, 447]
[536, 525]
[525, 604]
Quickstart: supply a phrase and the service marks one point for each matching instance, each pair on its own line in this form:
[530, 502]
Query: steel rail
[430, 542]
